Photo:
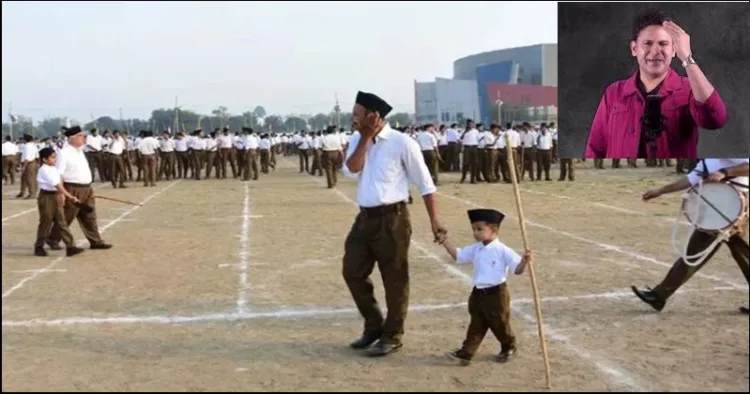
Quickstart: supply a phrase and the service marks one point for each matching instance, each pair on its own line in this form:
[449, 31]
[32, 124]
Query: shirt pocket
[620, 128]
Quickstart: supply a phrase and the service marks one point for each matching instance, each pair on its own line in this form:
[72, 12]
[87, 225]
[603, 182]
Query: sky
[84, 59]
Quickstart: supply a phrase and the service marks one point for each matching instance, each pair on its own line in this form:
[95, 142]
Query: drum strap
[728, 180]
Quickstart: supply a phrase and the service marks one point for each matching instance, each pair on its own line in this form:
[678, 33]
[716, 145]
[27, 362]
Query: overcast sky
[91, 58]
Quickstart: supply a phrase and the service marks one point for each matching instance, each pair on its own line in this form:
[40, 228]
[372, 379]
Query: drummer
[732, 171]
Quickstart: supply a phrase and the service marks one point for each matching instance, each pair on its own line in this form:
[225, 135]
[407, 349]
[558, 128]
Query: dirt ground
[223, 285]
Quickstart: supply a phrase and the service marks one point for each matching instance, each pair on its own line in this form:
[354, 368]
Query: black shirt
[642, 151]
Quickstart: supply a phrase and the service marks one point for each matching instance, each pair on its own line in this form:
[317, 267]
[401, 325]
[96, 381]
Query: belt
[489, 290]
[49, 192]
[77, 184]
[383, 210]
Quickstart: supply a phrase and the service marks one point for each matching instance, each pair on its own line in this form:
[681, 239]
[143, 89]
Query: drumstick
[120, 201]
[522, 222]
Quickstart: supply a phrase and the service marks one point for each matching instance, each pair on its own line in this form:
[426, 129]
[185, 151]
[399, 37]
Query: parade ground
[224, 285]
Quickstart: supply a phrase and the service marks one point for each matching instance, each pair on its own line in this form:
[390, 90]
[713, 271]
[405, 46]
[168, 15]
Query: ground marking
[244, 253]
[102, 230]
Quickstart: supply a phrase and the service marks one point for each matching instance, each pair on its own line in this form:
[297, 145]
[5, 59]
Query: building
[532, 69]
[446, 101]
[537, 64]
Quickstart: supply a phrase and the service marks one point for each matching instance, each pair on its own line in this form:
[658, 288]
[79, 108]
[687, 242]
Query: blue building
[530, 65]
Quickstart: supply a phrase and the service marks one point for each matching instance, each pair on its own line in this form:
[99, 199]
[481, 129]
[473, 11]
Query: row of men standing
[481, 153]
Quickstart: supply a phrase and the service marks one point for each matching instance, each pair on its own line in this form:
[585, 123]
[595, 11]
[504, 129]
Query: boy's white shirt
[492, 262]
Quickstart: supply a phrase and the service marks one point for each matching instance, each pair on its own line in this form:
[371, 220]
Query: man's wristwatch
[689, 61]
[725, 172]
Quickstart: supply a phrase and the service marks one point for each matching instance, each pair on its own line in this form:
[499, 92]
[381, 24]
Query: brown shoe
[72, 251]
[101, 246]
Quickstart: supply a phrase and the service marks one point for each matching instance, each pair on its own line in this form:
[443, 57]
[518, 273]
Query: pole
[337, 109]
[10, 118]
[122, 122]
[176, 126]
[532, 275]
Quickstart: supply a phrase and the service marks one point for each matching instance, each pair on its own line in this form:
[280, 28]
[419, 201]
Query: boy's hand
[528, 257]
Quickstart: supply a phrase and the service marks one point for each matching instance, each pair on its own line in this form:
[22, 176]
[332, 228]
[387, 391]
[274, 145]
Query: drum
[715, 207]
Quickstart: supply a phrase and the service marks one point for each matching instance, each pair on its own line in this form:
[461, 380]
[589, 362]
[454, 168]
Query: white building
[446, 101]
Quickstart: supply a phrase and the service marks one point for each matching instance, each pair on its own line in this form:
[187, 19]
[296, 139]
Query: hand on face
[680, 40]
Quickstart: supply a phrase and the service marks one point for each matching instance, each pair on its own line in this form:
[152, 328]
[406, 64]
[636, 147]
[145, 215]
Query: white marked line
[101, 230]
[604, 246]
[41, 271]
[35, 209]
[244, 253]
[305, 313]
[606, 367]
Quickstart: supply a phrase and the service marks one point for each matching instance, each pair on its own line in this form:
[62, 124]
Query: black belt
[49, 192]
[77, 184]
[383, 210]
[488, 290]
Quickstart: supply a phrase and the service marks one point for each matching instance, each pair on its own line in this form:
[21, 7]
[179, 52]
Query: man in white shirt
[528, 151]
[469, 164]
[543, 153]
[198, 153]
[304, 144]
[76, 174]
[29, 167]
[212, 153]
[182, 157]
[383, 161]
[149, 148]
[226, 154]
[167, 167]
[734, 172]
[452, 136]
[116, 153]
[10, 160]
[428, 143]
[251, 144]
[93, 150]
[331, 146]
[264, 146]
[239, 152]
[552, 129]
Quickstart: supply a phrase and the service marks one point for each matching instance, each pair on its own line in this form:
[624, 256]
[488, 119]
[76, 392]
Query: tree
[273, 123]
[400, 118]
[259, 112]
[319, 121]
[294, 123]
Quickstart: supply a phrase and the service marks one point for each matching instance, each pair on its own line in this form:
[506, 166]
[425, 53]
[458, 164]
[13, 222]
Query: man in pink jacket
[621, 130]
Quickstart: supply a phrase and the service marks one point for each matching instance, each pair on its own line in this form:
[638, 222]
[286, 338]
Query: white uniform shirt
[95, 142]
[198, 144]
[500, 142]
[492, 262]
[238, 142]
[48, 178]
[442, 139]
[528, 139]
[713, 165]
[544, 141]
[9, 148]
[29, 152]
[225, 141]
[180, 144]
[73, 166]
[331, 142]
[264, 143]
[317, 142]
[117, 146]
[427, 140]
[470, 138]
[391, 162]
[148, 146]
[554, 134]
[166, 145]
[250, 142]
[211, 144]
[515, 138]
[304, 142]
[452, 135]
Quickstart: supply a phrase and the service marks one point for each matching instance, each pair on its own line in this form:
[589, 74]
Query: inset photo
[654, 80]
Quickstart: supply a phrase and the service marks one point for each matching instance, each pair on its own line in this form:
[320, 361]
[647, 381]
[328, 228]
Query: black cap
[373, 103]
[71, 131]
[490, 216]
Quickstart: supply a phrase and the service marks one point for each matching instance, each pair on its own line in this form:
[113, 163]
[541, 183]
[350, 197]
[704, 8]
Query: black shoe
[649, 297]
[72, 251]
[745, 310]
[39, 251]
[366, 340]
[506, 354]
[101, 246]
[54, 246]
[382, 348]
[460, 356]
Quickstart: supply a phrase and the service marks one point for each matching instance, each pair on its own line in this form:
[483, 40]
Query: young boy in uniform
[50, 202]
[489, 302]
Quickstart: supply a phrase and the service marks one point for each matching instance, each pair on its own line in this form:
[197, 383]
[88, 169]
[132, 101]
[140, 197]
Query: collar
[671, 83]
[385, 133]
[494, 243]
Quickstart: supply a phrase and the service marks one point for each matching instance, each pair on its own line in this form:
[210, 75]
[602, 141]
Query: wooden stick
[120, 201]
[524, 234]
